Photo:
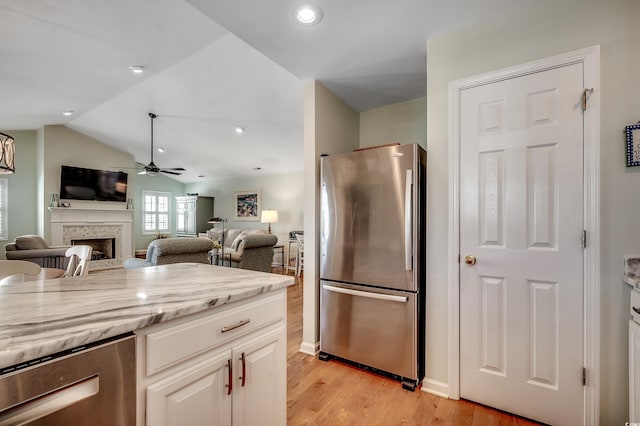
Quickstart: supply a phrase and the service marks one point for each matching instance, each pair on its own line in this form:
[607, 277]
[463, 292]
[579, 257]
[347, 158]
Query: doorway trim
[590, 58]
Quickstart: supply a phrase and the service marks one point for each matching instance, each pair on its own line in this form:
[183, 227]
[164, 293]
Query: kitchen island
[188, 319]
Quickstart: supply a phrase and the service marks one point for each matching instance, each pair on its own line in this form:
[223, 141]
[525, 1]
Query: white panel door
[521, 217]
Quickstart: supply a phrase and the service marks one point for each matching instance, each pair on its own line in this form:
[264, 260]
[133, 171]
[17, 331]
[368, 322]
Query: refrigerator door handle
[389, 297]
[408, 220]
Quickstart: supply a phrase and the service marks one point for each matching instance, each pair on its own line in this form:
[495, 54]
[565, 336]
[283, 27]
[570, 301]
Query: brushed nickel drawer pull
[233, 327]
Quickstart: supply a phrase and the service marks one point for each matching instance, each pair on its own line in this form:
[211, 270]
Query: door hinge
[584, 238]
[458, 257]
[584, 376]
[585, 96]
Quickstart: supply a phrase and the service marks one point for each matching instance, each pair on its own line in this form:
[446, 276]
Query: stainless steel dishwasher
[89, 385]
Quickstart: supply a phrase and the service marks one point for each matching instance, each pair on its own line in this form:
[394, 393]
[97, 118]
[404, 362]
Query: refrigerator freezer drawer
[370, 326]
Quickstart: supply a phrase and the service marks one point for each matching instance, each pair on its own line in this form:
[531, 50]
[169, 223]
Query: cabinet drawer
[173, 345]
[635, 303]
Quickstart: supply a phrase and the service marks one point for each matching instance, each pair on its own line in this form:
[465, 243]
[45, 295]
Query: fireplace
[102, 248]
[108, 231]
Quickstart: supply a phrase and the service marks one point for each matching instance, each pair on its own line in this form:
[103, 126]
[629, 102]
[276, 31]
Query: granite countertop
[40, 318]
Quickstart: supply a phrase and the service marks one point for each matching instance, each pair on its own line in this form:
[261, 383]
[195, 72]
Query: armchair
[255, 252]
[173, 250]
[33, 248]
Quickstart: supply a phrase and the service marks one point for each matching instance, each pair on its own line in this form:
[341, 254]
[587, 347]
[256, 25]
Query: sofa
[247, 248]
[33, 248]
[173, 250]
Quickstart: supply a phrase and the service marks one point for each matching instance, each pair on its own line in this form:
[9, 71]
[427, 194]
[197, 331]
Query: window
[155, 217]
[4, 226]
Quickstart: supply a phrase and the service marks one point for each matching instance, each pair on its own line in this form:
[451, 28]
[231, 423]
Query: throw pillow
[31, 242]
[237, 241]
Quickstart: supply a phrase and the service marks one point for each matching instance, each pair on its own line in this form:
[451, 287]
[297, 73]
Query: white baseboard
[436, 387]
[310, 348]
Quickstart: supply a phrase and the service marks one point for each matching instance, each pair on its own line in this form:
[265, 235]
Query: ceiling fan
[151, 169]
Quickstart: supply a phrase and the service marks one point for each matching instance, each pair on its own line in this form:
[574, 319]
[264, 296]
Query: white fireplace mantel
[74, 215]
[98, 219]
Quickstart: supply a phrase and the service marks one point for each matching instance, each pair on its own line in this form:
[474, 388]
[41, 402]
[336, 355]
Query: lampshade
[269, 216]
[7, 155]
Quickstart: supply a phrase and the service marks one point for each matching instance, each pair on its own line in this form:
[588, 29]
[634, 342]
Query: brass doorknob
[470, 260]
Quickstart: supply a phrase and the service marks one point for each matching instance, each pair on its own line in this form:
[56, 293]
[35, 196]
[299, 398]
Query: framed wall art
[632, 135]
[248, 205]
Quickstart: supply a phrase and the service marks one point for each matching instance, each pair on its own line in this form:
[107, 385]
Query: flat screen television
[77, 183]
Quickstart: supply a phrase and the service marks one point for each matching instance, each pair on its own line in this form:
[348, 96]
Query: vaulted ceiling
[211, 65]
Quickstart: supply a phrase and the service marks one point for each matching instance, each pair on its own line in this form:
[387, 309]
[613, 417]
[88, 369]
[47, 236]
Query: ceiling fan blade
[177, 169]
[170, 172]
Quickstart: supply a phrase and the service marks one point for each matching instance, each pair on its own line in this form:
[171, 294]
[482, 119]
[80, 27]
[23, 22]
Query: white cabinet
[192, 214]
[195, 396]
[259, 390]
[226, 366]
[634, 372]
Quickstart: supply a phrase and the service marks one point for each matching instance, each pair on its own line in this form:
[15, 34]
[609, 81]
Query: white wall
[404, 123]
[279, 192]
[546, 30]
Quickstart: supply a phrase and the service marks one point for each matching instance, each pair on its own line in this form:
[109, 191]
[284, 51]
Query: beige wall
[284, 193]
[544, 31]
[59, 145]
[330, 127]
[404, 123]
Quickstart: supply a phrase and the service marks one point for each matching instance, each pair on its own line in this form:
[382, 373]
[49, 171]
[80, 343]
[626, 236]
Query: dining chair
[14, 267]
[300, 255]
[78, 257]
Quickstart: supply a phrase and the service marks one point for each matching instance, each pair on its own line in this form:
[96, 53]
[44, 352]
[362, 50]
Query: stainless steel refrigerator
[372, 250]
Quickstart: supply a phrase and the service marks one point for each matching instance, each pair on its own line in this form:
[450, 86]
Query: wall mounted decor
[7, 155]
[248, 205]
[632, 135]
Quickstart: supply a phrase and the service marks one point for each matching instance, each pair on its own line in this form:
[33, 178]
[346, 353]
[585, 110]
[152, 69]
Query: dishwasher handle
[368, 294]
[50, 402]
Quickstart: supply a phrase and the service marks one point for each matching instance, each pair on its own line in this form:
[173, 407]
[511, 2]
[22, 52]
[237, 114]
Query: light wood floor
[334, 393]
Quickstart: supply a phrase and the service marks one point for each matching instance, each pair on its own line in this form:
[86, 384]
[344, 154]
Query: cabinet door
[634, 372]
[185, 215]
[196, 396]
[259, 392]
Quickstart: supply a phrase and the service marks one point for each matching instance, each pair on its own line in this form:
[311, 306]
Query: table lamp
[269, 216]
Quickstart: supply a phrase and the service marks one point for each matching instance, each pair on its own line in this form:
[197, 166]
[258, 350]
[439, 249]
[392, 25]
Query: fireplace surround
[68, 225]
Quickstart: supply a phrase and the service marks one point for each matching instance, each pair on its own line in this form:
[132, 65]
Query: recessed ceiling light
[257, 169]
[308, 15]
[239, 129]
[161, 150]
[137, 69]
[200, 176]
[67, 113]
